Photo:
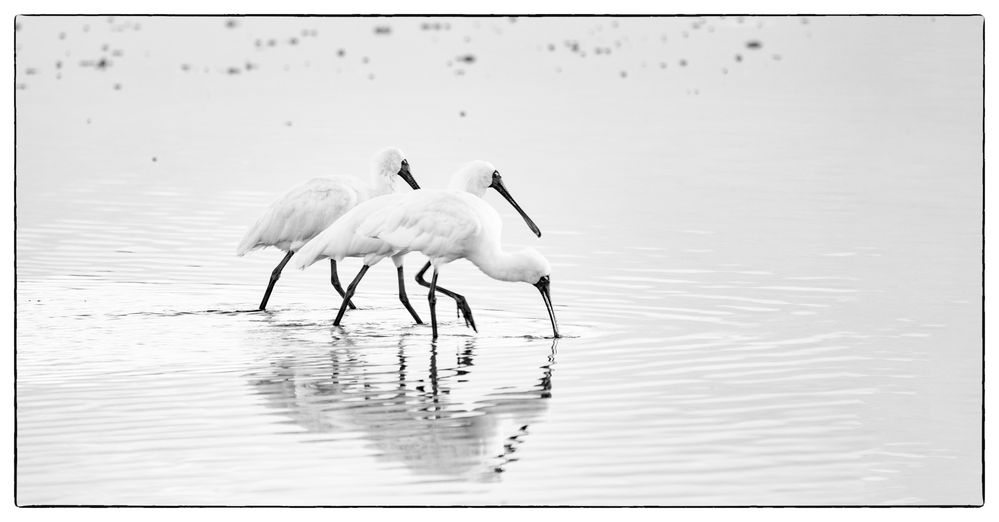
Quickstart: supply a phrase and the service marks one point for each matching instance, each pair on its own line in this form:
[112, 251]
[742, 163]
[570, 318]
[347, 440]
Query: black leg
[404, 298]
[432, 297]
[350, 293]
[463, 308]
[335, 279]
[275, 275]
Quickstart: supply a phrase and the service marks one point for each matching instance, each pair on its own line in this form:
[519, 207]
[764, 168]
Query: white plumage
[303, 213]
[309, 208]
[444, 225]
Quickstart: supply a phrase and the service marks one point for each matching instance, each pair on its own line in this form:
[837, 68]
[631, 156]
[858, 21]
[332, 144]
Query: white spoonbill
[342, 240]
[311, 207]
[475, 178]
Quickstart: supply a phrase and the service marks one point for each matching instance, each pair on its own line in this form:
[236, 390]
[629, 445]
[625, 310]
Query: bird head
[478, 176]
[389, 165]
[535, 269]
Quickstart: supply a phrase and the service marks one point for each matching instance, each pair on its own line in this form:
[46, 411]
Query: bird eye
[404, 162]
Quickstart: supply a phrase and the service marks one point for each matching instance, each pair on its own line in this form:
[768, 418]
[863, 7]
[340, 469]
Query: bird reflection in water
[416, 407]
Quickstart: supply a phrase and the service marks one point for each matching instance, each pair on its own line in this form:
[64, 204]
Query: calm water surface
[766, 263]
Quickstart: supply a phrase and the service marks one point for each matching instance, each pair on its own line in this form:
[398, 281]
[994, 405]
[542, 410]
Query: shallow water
[767, 269]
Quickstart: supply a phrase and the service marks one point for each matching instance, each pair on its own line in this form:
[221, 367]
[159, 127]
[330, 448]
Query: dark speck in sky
[340, 52]
[738, 57]
[383, 29]
[62, 36]
[233, 70]
[461, 114]
[467, 58]
[293, 41]
[185, 67]
[231, 23]
[154, 159]
[17, 26]
[624, 74]
[117, 86]
[551, 47]
[776, 57]
[683, 63]
[753, 44]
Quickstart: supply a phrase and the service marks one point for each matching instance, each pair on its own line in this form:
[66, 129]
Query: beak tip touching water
[544, 286]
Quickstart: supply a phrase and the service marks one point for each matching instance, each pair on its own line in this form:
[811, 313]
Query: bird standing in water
[308, 209]
[342, 239]
[444, 226]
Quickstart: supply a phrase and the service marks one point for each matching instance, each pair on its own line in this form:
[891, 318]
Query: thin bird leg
[335, 279]
[275, 275]
[350, 293]
[404, 298]
[463, 308]
[432, 298]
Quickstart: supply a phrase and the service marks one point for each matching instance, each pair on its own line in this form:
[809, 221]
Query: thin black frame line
[504, 15]
[435, 15]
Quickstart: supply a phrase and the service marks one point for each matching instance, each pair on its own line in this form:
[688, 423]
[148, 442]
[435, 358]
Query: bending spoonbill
[475, 178]
[341, 239]
[308, 209]
[445, 226]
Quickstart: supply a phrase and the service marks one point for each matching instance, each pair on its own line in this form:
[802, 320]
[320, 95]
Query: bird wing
[301, 214]
[341, 239]
[437, 224]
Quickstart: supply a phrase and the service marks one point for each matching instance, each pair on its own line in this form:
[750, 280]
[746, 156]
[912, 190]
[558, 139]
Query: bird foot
[463, 309]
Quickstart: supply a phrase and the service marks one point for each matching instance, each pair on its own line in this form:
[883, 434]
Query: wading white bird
[311, 207]
[444, 225]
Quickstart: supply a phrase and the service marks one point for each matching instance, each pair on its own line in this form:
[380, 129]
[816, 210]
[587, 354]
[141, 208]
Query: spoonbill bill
[309, 208]
[342, 240]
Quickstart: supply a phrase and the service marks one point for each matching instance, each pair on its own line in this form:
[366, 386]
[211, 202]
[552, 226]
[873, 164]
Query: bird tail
[309, 253]
[249, 243]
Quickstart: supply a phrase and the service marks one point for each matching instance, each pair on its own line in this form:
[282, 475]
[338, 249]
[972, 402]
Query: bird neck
[501, 265]
[381, 185]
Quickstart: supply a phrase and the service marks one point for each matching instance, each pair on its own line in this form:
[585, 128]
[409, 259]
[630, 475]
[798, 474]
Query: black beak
[498, 185]
[406, 175]
[543, 285]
